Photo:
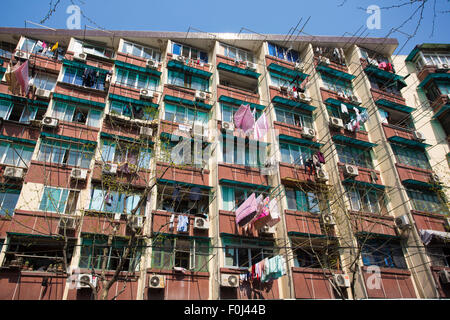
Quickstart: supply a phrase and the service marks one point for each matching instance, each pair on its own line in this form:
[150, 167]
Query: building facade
[124, 132]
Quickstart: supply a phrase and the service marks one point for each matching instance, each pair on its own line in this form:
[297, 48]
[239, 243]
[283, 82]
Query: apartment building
[87, 158]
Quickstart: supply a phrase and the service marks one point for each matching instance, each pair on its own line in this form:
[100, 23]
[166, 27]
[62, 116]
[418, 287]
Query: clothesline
[266, 270]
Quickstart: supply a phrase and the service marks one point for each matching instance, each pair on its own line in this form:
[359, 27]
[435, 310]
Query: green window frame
[354, 156]
[243, 253]
[59, 200]
[412, 157]
[294, 118]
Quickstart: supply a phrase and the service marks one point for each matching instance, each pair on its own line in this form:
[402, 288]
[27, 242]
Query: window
[84, 77]
[140, 51]
[19, 112]
[236, 53]
[299, 200]
[427, 201]
[279, 81]
[15, 154]
[115, 202]
[365, 200]
[78, 114]
[412, 157]
[63, 153]
[136, 80]
[59, 200]
[386, 86]
[439, 254]
[433, 59]
[240, 253]
[294, 118]
[346, 117]
[44, 81]
[187, 80]
[188, 253]
[228, 112]
[92, 253]
[382, 253]
[189, 52]
[42, 48]
[366, 53]
[335, 55]
[183, 199]
[96, 50]
[125, 152]
[233, 197]
[354, 156]
[8, 201]
[186, 152]
[283, 53]
[6, 49]
[132, 110]
[247, 152]
[336, 84]
[320, 256]
[295, 154]
[180, 114]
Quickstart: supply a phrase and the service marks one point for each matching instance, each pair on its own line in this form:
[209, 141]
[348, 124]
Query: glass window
[295, 154]
[182, 115]
[305, 201]
[189, 52]
[187, 80]
[141, 51]
[365, 200]
[382, 253]
[8, 201]
[236, 53]
[427, 201]
[15, 154]
[86, 77]
[240, 253]
[55, 200]
[63, 153]
[136, 80]
[283, 53]
[44, 81]
[354, 156]
[337, 85]
[78, 114]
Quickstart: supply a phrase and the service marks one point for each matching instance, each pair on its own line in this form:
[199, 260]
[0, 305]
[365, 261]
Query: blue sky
[275, 17]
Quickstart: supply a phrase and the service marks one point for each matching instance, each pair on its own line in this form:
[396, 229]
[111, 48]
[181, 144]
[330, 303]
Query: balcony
[137, 61]
[104, 223]
[227, 224]
[237, 67]
[77, 131]
[92, 60]
[237, 96]
[365, 177]
[204, 68]
[367, 66]
[341, 133]
[332, 97]
[312, 283]
[80, 92]
[332, 65]
[395, 284]
[182, 95]
[239, 174]
[441, 106]
[402, 135]
[444, 290]
[45, 63]
[428, 70]
[34, 222]
[379, 95]
[414, 176]
[183, 174]
[429, 221]
[278, 61]
[161, 224]
[132, 93]
[20, 132]
[290, 174]
[366, 222]
[291, 99]
[139, 178]
[304, 223]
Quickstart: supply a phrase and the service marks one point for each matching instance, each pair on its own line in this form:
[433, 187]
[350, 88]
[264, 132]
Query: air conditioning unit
[418, 135]
[444, 275]
[308, 132]
[180, 58]
[80, 56]
[336, 122]
[201, 223]
[322, 175]
[328, 219]
[229, 280]
[22, 54]
[267, 230]
[304, 97]
[435, 178]
[324, 60]
[157, 281]
[227, 126]
[151, 63]
[299, 66]
[250, 65]
[67, 223]
[145, 132]
[42, 93]
[146, 93]
[200, 95]
[341, 280]
[355, 99]
[136, 221]
[86, 278]
[402, 222]
[79, 174]
[109, 168]
[13, 173]
[50, 122]
[351, 170]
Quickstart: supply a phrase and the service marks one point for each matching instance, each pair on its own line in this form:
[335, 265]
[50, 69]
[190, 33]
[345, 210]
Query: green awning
[185, 236]
[306, 235]
[174, 64]
[20, 140]
[364, 184]
[336, 73]
[290, 74]
[87, 143]
[395, 106]
[187, 102]
[434, 76]
[63, 97]
[408, 142]
[133, 101]
[353, 141]
[292, 103]
[337, 103]
[114, 137]
[2, 70]
[185, 184]
[373, 235]
[56, 237]
[419, 184]
[306, 142]
[80, 65]
[441, 111]
[256, 187]
[240, 102]
[244, 72]
[372, 70]
[129, 66]
[35, 103]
